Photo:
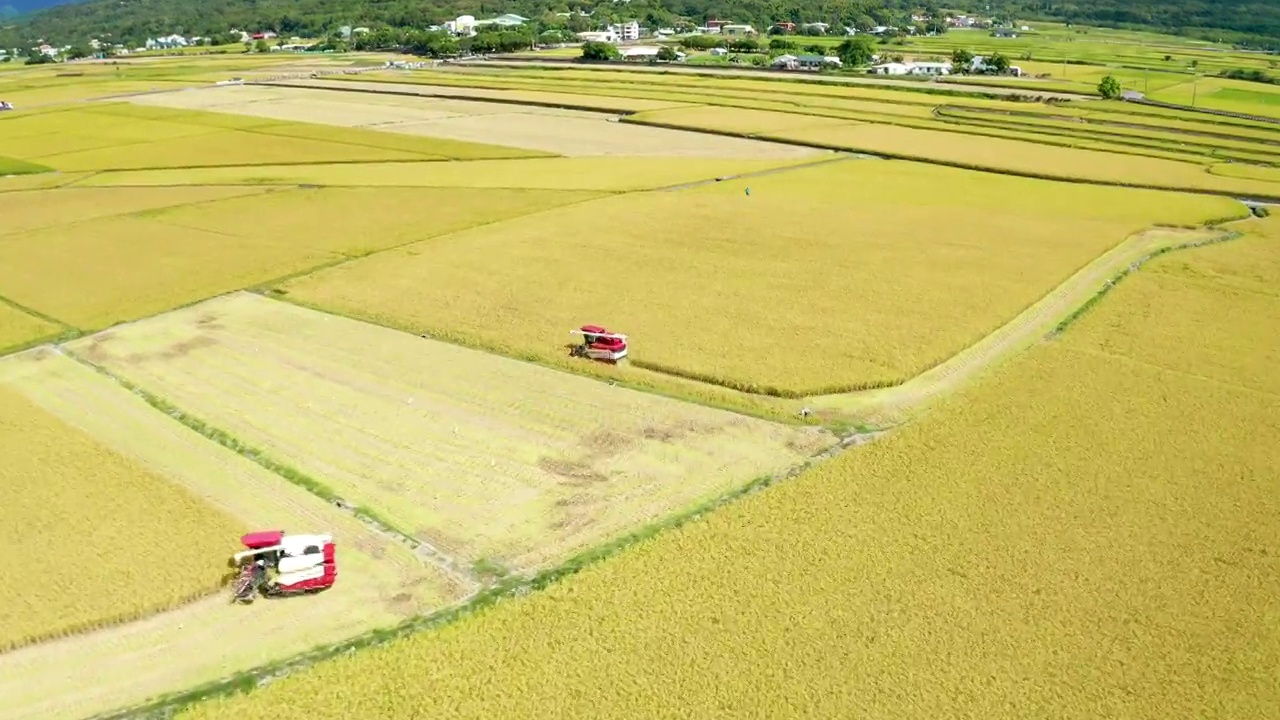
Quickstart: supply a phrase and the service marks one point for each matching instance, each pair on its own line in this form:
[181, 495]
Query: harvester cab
[600, 344]
[275, 565]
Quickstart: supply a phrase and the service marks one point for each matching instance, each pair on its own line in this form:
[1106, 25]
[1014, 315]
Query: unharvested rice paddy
[18, 327]
[822, 279]
[1022, 157]
[1089, 531]
[381, 582]
[129, 266]
[1077, 536]
[563, 132]
[87, 534]
[116, 137]
[24, 213]
[481, 456]
[603, 174]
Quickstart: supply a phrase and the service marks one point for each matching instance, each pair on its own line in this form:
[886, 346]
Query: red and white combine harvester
[277, 565]
[600, 344]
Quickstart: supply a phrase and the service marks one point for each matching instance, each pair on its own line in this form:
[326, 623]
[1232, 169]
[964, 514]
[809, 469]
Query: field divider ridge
[840, 157]
[1130, 269]
[425, 552]
[957, 164]
[1043, 321]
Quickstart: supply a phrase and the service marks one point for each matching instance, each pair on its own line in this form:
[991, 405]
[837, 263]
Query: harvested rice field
[77, 426]
[483, 457]
[570, 133]
[413, 86]
[139, 263]
[1076, 535]
[115, 137]
[821, 279]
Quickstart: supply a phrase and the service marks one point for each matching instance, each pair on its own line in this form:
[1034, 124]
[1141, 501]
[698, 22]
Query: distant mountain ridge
[18, 7]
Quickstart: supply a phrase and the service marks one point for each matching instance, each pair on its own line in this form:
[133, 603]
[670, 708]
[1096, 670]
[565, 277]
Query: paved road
[468, 65]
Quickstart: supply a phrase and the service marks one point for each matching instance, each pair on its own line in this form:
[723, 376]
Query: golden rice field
[483, 457]
[91, 538]
[1077, 535]
[1023, 157]
[603, 174]
[821, 280]
[107, 137]
[1087, 528]
[26, 213]
[381, 581]
[139, 263]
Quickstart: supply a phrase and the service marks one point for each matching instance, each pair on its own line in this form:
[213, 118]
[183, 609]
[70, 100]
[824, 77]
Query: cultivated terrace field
[1088, 532]
[330, 301]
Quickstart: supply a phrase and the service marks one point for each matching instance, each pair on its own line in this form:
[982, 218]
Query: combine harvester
[279, 565]
[600, 344]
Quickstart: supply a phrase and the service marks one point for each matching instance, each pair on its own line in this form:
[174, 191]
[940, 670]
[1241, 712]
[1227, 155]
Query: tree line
[131, 22]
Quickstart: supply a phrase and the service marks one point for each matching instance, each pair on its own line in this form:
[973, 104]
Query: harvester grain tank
[600, 344]
[276, 565]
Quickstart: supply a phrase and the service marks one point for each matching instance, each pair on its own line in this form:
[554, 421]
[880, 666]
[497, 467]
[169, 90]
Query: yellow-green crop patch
[93, 274]
[18, 328]
[605, 174]
[821, 279]
[12, 166]
[33, 210]
[113, 137]
[1031, 158]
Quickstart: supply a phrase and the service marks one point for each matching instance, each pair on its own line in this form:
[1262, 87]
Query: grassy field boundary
[13, 166]
[509, 587]
[1047, 316]
[1204, 110]
[292, 475]
[1132, 268]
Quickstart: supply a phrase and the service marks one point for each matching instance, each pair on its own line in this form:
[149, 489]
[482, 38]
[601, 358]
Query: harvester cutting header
[278, 565]
[600, 344]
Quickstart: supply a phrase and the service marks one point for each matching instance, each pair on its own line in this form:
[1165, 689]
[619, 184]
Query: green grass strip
[14, 166]
[1133, 267]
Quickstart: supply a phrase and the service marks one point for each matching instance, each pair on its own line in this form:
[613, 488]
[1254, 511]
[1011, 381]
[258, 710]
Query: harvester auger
[277, 565]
